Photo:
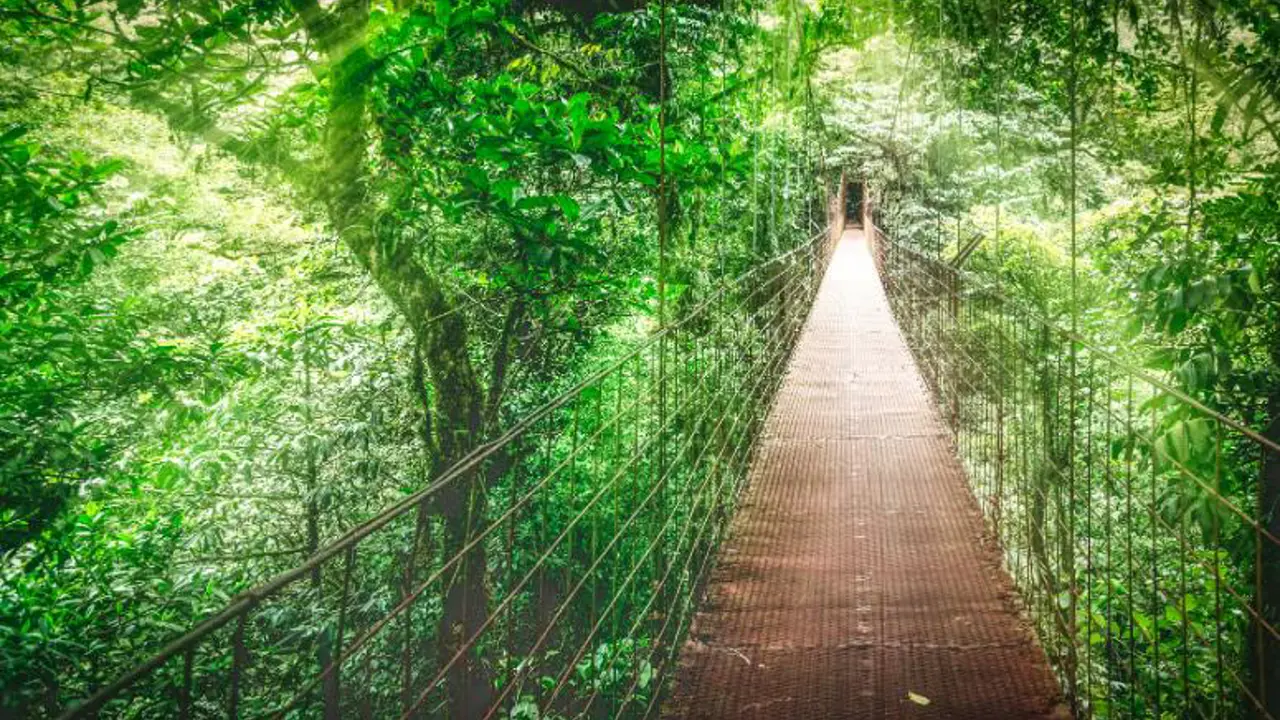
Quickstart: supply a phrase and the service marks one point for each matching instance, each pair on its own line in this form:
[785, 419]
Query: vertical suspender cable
[1193, 159]
[663, 233]
[893, 129]
[1073, 97]
[757, 139]
[1193, 86]
[1002, 311]
[722, 118]
[940, 56]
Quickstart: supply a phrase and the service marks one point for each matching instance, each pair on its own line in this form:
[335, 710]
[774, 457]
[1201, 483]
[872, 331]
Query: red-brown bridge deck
[855, 572]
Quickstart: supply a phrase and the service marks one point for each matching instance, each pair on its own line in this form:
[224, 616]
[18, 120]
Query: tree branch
[556, 58]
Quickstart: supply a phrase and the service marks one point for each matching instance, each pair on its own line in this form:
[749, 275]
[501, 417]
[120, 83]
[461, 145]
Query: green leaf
[1178, 442]
[568, 206]
[12, 134]
[476, 178]
[110, 167]
[507, 189]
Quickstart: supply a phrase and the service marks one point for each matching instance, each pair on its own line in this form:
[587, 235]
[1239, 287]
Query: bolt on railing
[1139, 525]
[561, 579]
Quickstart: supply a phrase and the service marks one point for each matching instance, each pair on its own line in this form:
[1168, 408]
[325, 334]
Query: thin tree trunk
[1264, 649]
[311, 492]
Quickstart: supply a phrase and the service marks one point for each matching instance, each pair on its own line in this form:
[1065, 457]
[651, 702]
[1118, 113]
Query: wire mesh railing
[1138, 524]
[552, 573]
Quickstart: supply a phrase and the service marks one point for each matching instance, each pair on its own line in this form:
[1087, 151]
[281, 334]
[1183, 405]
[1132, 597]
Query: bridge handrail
[1099, 547]
[987, 287]
[245, 601]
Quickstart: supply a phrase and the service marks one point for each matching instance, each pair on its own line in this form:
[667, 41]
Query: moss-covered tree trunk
[441, 336]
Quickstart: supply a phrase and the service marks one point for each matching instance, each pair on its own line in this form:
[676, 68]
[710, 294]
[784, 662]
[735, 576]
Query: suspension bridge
[851, 482]
[855, 581]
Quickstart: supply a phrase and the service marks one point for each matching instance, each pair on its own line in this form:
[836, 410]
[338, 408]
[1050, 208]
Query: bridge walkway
[856, 582]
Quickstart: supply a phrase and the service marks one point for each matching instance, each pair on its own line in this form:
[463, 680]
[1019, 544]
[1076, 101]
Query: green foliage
[58, 347]
[346, 243]
[1111, 169]
[198, 388]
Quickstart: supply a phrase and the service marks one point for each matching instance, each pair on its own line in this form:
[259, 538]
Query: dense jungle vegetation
[268, 268]
[1107, 174]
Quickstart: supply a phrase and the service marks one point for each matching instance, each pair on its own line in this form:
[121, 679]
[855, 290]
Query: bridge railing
[551, 573]
[1138, 524]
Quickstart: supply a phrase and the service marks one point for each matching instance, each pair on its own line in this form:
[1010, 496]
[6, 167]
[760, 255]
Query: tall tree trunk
[441, 335]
